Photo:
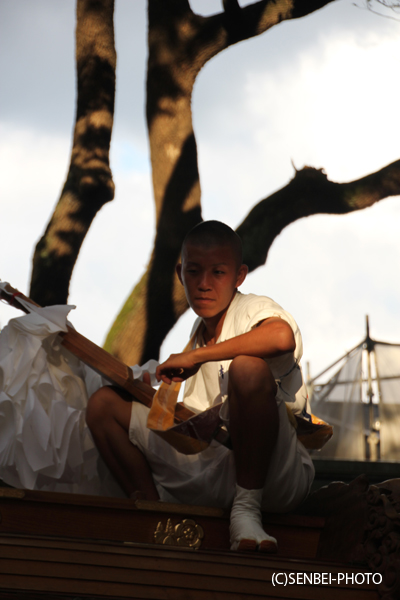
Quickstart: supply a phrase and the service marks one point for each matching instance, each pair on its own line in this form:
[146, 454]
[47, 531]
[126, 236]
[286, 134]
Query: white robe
[208, 478]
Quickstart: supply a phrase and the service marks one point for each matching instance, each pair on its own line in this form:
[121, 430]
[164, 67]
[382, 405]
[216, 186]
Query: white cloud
[33, 168]
[331, 110]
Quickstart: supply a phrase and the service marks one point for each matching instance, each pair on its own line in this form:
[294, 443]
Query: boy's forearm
[266, 341]
[272, 338]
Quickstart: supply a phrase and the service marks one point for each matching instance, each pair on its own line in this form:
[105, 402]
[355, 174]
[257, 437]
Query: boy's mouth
[201, 300]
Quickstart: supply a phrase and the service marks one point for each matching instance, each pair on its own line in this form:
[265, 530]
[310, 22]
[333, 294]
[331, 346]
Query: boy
[246, 354]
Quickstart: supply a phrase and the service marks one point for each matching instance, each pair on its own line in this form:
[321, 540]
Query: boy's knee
[248, 375]
[98, 407]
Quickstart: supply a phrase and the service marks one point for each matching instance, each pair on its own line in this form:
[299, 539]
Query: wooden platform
[123, 520]
[43, 568]
[73, 547]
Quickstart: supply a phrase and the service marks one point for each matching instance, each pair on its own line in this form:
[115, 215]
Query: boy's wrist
[200, 355]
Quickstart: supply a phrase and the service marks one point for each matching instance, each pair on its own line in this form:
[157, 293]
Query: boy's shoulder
[249, 310]
[249, 305]
[241, 301]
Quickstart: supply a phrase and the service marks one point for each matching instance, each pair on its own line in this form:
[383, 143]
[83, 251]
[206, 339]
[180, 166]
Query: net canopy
[359, 395]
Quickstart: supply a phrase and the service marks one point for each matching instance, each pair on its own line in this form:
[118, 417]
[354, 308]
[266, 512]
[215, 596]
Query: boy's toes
[268, 547]
[246, 545]
[249, 545]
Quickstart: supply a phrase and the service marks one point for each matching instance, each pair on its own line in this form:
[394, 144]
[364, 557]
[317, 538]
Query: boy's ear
[242, 273]
[178, 270]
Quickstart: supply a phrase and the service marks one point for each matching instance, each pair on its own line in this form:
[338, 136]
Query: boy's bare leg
[254, 425]
[253, 419]
[108, 416]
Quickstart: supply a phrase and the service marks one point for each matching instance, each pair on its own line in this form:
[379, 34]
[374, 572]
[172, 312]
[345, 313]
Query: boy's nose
[204, 283]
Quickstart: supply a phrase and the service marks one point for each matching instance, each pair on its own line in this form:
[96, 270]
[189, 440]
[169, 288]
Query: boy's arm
[273, 337]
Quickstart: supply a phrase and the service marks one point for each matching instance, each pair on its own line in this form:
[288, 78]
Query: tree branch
[235, 23]
[309, 193]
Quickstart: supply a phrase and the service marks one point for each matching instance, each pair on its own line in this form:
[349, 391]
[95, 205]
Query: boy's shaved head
[215, 233]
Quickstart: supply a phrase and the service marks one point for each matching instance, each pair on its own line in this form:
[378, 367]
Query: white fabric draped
[45, 443]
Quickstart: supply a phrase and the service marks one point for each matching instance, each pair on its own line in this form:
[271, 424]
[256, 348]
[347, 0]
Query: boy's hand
[178, 367]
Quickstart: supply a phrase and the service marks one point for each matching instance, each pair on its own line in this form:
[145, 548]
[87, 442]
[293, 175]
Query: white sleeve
[256, 309]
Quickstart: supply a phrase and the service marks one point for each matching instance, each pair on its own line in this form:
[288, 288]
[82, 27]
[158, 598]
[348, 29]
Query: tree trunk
[157, 301]
[180, 43]
[89, 183]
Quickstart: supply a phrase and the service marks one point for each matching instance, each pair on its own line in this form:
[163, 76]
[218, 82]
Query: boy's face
[210, 276]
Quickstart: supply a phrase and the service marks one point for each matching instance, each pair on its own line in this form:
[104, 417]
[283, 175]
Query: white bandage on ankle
[245, 522]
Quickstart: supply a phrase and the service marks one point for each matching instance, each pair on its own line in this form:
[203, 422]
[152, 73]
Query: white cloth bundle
[45, 443]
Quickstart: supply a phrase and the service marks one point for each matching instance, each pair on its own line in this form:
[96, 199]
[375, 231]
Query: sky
[319, 91]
